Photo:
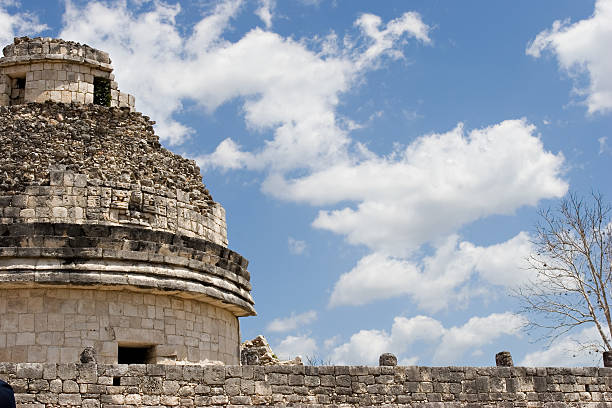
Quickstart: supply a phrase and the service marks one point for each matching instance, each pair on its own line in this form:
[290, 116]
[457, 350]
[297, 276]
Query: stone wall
[113, 386]
[55, 324]
[41, 46]
[73, 198]
[55, 70]
[90, 164]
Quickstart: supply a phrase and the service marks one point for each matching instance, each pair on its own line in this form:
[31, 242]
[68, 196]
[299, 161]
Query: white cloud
[603, 144]
[290, 89]
[381, 41]
[438, 280]
[374, 277]
[583, 47]
[296, 247]
[363, 348]
[147, 52]
[449, 344]
[419, 328]
[572, 351]
[408, 361]
[502, 264]
[285, 86]
[331, 342]
[293, 346]
[477, 332]
[229, 156]
[435, 185]
[292, 322]
[265, 11]
[18, 24]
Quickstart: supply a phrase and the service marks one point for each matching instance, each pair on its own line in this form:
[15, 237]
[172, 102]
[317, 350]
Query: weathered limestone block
[387, 359]
[503, 359]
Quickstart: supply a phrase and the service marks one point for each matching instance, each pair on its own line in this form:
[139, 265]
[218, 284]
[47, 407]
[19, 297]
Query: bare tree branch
[572, 280]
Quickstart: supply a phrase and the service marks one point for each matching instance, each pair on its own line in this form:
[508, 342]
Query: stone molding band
[41, 46]
[57, 58]
[103, 255]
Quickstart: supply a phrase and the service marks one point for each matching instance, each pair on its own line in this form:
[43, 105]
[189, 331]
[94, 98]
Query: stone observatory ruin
[109, 243]
[114, 254]
[45, 69]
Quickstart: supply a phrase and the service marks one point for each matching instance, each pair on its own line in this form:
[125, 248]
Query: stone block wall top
[44, 385]
[55, 49]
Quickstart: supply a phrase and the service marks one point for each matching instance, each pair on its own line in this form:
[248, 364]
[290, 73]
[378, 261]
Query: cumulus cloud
[331, 342]
[17, 24]
[438, 280]
[583, 48]
[293, 346]
[435, 185]
[363, 348]
[449, 344]
[291, 89]
[382, 39]
[146, 49]
[265, 11]
[570, 351]
[292, 322]
[423, 193]
[477, 332]
[285, 86]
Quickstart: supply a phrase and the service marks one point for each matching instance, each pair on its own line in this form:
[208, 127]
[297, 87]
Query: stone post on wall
[504, 359]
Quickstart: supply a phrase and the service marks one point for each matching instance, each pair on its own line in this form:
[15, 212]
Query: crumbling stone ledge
[111, 386]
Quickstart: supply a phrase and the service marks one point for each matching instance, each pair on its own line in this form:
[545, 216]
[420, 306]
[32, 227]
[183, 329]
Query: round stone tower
[45, 69]
[107, 240]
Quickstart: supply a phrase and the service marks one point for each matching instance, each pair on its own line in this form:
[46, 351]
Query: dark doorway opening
[135, 355]
[17, 95]
[102, 91]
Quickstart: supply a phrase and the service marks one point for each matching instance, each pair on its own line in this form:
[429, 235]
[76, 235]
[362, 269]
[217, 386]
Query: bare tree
[572, 284]
[316, 360]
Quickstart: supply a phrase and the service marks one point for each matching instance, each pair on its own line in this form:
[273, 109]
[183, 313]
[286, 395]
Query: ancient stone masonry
[259, 352]
[90, 164]
[139, 385]
[45, 69]
[109, 243]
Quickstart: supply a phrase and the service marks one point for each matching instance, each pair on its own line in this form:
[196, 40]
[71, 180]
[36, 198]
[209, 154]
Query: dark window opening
[116, 381]
[134, 355]
[102, 91]
[17, 91]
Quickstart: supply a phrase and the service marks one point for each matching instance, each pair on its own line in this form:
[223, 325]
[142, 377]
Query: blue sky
[381, 163]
